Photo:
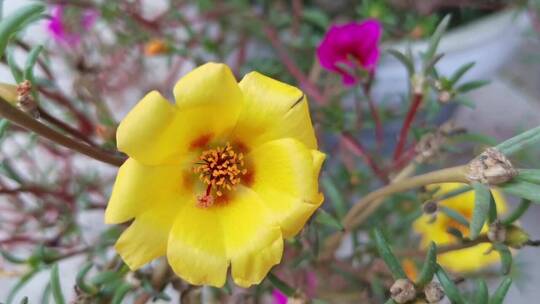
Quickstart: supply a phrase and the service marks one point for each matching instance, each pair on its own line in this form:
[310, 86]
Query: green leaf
[56, 288]
[517, 212]
[13, 22]
[450, 289]
[455, 232]
[481, 209]
[506, 258]
[11, 258]
[386, 254]
[522, 189]
[390, 301]
[529, 175]
[120, 292]
[499, 294]
[429, 267]
[335, 196]
[20, 284]
[453, 214]
[280, 285]
[481, 296]
[492, 215]
[406, 61]
[471, 85]
[81, 282]
[519, 141]
[326, 219]
[460, 72]
[106, 277]
[46, 294]
[436, 37]
[316, 17]
[15, 70]
[453, 193]
[31, 60]
[4, 124]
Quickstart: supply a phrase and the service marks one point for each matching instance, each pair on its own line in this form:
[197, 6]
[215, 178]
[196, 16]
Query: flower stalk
[25, 121]
[411, 114]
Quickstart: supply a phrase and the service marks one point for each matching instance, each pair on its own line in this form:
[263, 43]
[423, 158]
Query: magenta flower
[350, 46]
[279, 297]
[69, 34]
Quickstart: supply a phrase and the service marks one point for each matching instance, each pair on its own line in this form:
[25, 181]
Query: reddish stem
[356, 147]
[402, 139]
[303, 80]
[379, 133]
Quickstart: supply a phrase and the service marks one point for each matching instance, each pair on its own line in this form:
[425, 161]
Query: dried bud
[431, 207]
[25, 100]
[496, 232]
[491, 168]
[516, 237]
[403, 291]
[444, 96]
[433, 292]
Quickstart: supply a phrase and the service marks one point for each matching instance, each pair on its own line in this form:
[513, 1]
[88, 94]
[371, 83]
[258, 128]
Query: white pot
[489, 42]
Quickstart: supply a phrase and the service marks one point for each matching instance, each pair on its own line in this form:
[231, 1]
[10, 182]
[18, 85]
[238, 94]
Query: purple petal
[359, 40]
[279, 297]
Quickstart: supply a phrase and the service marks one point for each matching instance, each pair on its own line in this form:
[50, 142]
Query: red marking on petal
[200, 142]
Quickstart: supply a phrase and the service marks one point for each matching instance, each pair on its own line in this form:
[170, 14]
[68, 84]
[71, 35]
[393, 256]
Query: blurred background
[127, 48]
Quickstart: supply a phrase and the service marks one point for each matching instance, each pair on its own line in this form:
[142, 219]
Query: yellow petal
[469, 259]
[286, 178]
[253, 242]
[273, 110]
[146, 133]
[464, 260]
[211, 93]
[208, 102]
[146, 238]
[9, 92]
[196, 248]
[139, 187]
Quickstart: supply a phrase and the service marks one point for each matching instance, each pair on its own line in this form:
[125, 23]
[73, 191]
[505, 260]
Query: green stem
[20, 118]
[362, 209]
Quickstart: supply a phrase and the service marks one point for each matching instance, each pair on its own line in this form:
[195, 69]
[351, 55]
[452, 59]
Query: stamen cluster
[221, 169]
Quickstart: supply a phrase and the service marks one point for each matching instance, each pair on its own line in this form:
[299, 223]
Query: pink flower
[69, 34]
[279, 297]
[350, 46]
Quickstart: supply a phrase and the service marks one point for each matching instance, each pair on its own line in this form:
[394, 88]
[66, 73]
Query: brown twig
[22, 119]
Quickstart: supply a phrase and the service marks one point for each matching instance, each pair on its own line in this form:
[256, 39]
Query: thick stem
[20, 118]
[411, 114]
[356, 215]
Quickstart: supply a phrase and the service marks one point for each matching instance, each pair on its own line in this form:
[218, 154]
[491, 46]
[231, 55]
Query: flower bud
[491, 168]
[402, 291]
[496, 232]
[516, 237]
[25, 100]
[433, 292]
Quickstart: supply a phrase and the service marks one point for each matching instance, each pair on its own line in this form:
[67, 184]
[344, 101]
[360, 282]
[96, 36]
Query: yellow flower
[464, 260]
[217, 179]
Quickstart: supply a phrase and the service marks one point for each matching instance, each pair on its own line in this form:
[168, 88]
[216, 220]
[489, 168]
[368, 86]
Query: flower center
[221, 170]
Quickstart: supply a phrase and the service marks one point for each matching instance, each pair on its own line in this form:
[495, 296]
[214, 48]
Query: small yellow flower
[464, 260]
[220, 178]
[155, 47]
